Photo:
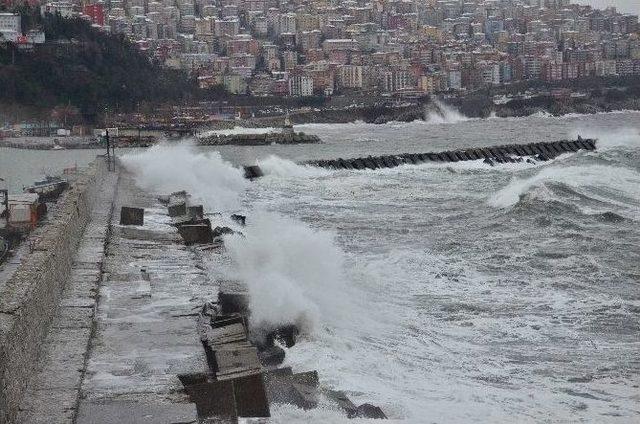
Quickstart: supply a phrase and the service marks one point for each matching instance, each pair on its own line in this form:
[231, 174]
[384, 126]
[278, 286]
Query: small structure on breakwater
[286, 136]
[264, 139]
[512, 153]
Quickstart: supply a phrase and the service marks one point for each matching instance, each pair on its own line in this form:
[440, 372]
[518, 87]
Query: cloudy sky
[625, 6]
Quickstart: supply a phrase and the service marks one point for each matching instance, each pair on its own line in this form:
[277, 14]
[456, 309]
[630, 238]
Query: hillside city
[304, 48]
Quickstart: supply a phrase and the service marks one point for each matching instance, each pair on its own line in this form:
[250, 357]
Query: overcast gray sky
[625, 6]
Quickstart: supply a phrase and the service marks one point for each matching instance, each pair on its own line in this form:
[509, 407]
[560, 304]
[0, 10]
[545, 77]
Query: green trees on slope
[87, 68]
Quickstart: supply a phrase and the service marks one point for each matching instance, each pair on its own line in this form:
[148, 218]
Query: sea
[443, 293]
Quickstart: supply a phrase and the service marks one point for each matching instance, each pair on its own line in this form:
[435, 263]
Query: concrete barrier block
[213, 399]
[528, 149]
[271, 356]
[451, 156]
[366, 410]
[333, 164]
[487, 153]
[358, 164]
[195, 212]
[343, 402]
[590, 143]
[131, 216]
[177, 209]
[196, 234]
[555, 147]
[220, 231]
[520, 151]
[240, 219]
[369, 163]
[252, 172]
[573, 145]
[462, 156]
[235, 360]
[251, 396]
[547, 151]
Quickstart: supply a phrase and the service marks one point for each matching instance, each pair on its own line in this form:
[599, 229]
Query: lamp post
[5, 201]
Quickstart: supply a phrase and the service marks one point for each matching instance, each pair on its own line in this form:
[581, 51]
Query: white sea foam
[614, 180]
[277, 166]
[445, 114]
[293, 272]
[165, 168]
[625, 138]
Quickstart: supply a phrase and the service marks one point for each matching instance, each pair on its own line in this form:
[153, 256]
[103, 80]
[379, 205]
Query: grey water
[467, 293]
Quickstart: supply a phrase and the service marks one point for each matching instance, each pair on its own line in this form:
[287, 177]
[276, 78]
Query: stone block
[251, 396]
[196, 212]
[131, 216]
[366, 410]
[177, 209]
[252, 172]
[234, 360]
[196, 234]
[240, 219]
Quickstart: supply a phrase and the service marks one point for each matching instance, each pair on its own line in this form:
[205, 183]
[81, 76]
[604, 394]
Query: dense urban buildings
[322, 47]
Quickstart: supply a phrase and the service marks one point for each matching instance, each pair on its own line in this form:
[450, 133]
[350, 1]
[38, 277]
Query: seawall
[30, 297]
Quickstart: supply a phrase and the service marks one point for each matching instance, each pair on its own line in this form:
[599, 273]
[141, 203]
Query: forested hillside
[86, 68]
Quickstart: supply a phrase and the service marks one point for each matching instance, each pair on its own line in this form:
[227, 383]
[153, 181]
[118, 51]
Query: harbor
[163, 271]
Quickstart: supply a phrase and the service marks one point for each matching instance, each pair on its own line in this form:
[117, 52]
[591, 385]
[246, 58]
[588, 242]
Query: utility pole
[106, 137]
[5, 202]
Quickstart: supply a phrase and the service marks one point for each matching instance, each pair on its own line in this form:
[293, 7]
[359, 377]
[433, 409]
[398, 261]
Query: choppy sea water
[443, 293]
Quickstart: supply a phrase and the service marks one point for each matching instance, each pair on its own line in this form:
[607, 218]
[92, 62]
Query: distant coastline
[407, 114]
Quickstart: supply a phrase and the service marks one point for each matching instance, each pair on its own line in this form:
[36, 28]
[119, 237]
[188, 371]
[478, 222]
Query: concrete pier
[31, 292]
[103, 321]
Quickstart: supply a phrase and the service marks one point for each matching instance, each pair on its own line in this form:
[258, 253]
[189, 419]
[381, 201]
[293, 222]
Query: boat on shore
[49, 188]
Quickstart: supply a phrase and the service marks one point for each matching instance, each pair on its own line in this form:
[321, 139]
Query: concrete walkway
[126, 325]
[145, 325]
[53, 394]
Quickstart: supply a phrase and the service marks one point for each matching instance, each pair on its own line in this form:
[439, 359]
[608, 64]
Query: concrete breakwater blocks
[131, 216]
[31, 295]
[264, 139]
[243, 377]
[177, 209]
[512, 153]
[196, 233]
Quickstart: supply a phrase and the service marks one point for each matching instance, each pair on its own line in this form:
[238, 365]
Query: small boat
[49, 188]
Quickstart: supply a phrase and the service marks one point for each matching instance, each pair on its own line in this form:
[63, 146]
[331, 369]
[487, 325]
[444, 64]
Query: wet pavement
[126, 325]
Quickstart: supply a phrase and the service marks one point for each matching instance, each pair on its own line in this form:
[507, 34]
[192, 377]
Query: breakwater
[48, 143]
[244, 376]
[512, 153]
[30, 297]
[258, 139]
